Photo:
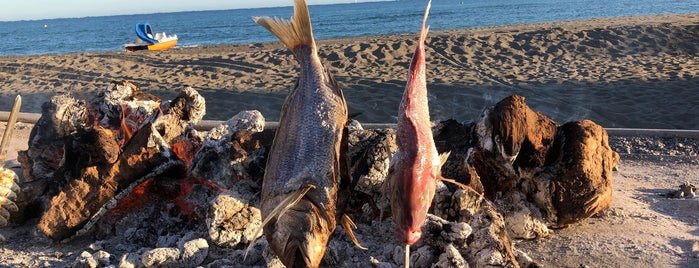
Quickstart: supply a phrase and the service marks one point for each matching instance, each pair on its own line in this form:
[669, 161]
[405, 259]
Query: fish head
[412, 190]
[300, 236]
[411, 215]
[408, 234]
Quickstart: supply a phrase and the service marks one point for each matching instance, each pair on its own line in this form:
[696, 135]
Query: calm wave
[198, 28]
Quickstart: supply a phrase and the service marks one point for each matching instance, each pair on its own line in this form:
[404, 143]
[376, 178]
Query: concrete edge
[32, 118]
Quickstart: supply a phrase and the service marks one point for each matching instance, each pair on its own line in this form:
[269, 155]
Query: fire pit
[135, 174]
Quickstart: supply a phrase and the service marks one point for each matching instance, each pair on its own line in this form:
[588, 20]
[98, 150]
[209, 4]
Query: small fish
[415, 167]
[307, 160]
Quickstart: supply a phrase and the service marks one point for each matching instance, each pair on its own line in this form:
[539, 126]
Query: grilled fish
[415, 166]
[306, 162]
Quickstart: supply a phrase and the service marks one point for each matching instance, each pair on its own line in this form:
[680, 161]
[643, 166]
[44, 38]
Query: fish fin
[333, 84]
[443, 158]
[348, 224]
[425, 29]
[294, 32]
[460, 185]
[347, 182]
[279, 210]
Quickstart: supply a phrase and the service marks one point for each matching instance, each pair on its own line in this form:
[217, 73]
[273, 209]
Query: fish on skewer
[307, 161]
[415, 167]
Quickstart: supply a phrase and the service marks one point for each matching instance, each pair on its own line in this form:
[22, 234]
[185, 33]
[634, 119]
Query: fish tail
[293, 33]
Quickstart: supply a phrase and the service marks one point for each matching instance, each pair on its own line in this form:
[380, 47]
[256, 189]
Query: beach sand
[638, 72]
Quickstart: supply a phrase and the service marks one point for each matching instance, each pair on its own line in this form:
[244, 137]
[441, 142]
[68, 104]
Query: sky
[51, 9]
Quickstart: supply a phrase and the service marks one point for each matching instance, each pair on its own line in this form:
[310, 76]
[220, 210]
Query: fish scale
[305, 164]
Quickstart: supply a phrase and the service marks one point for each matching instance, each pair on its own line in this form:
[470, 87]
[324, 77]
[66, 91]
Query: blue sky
[49, 9]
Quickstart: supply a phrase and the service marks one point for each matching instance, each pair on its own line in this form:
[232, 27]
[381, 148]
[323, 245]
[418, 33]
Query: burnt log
[455, 138]
[524, 156]
[83, 155]
[144, 156]
[62, 116]
[581, 174]
[185, 110]
[510, 143]
[234, 151]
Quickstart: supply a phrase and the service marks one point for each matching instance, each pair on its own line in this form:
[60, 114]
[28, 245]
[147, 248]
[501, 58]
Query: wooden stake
[7, 136]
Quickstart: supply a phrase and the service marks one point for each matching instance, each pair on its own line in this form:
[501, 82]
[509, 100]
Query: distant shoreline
[574, 23]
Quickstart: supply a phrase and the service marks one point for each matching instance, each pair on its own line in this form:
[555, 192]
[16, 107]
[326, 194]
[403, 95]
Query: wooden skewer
[7, 136]
[407, 255]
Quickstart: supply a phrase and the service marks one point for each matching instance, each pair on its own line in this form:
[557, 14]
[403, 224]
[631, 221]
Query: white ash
[488, 248]
[187, 253]
[522, 219]
[233, 218]
[85, 260]
[217, 162]
[69, 114]
[458, 204]
[181, 114]
[123, 94]
[451, 257]
[245, 120]
[196, 104]
[118, 91]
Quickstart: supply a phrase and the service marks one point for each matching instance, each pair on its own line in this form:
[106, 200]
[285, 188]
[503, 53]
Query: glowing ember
[185, 149]
[138, 198]
[184, 208]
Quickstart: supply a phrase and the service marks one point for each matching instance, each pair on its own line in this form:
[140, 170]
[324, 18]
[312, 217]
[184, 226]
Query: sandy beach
[631, 72]
[637, 72]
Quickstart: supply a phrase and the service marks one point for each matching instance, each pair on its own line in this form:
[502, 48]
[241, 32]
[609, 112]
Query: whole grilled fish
[306, 162]
[415, 166]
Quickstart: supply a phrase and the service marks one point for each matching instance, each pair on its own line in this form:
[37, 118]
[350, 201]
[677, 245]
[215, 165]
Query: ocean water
[110, 33]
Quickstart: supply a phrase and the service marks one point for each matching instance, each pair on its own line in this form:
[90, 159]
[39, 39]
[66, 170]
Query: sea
[199, 28]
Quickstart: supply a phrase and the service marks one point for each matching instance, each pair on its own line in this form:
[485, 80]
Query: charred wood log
[524, 156]
[144, 156]
[581, 175]
[62, 116]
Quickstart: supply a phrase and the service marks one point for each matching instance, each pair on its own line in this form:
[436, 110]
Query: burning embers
[83, 157]
[133, 171]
